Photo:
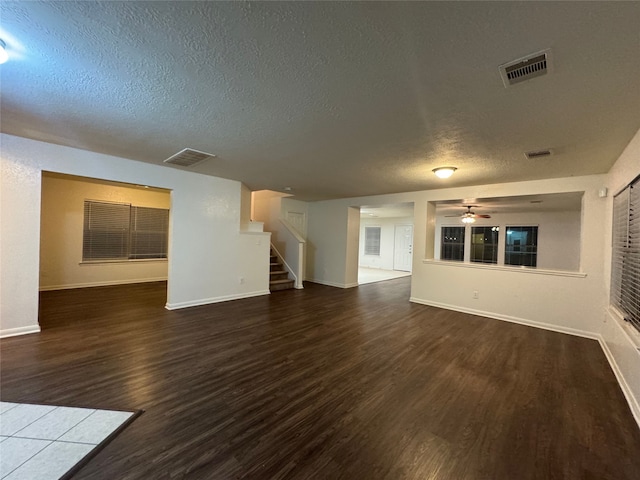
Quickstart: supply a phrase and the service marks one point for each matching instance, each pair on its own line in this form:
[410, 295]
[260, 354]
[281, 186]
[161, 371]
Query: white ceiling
[387, 211]
[334, 99]
[553, 202]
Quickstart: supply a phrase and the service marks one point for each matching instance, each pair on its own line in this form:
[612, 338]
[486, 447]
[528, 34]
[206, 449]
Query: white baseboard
[628, 393]
[101, 284]
[508, 318]
[624, 386]
[14, 332]
[333, 284]
[207, 301]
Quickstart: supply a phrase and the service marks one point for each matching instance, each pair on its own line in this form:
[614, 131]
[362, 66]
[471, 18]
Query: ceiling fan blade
[482, 216]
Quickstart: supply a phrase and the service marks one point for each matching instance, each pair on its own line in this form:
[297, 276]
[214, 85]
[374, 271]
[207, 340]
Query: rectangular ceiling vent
[526, 68]
[538, 154]
[188, 157]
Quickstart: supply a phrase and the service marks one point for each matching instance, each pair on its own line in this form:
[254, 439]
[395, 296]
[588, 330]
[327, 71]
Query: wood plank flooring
[324, 383]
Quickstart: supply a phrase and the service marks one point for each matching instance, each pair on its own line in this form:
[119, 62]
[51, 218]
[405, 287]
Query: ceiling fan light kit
[444, 172]
[469, 216]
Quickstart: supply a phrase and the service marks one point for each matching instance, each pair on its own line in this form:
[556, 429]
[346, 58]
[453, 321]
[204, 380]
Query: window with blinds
[116, 231]
[372, 240]
[625, 268]
[149, 232]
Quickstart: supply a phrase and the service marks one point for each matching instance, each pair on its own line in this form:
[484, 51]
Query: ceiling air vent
[188, 157]
[526, 68]
[537, 154]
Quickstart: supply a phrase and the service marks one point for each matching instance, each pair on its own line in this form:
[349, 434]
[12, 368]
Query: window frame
[111, 234]
[372, 244]
[493, 230]
[458, 244]
[519, 254]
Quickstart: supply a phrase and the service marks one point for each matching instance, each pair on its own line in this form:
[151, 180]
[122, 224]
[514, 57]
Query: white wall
[327, 244]
[351, 256]
[266, 207]
[62, 222]
[387, 241]
[269, 207]
[295, 206]
[621, 340]
[564, 302]
[209, 259]
[245, 205]
[558, 236]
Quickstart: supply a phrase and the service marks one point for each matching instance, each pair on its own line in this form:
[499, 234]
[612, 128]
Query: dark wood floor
[324, 383]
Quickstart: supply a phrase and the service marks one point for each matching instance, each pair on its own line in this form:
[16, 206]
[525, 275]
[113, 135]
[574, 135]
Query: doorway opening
[98, 233]
[385, 242]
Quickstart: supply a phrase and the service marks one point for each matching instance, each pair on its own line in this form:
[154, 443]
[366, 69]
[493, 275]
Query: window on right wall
[521, 246]
[625, 258]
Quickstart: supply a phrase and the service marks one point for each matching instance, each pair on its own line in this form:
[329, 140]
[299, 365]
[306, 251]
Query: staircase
[278, 276]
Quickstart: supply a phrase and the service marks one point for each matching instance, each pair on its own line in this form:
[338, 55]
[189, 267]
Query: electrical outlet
[476, 295]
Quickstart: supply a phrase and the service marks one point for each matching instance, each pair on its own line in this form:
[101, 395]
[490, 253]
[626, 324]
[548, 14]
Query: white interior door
[403, 248]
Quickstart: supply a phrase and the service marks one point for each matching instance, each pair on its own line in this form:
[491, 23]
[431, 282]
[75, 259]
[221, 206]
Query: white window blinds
[625, 268]
[372, 240]
[149, 227]
[115, 231]
[106, 231]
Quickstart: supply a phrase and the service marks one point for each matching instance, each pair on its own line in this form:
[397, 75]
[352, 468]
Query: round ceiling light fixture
[4, 56]
[444, 172]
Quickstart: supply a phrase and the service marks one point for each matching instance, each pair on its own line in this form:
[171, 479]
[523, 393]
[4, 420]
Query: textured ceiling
[553, 202]
[334, 99]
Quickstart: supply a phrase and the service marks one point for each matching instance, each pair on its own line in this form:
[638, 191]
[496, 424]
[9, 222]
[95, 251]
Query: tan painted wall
[62, 217]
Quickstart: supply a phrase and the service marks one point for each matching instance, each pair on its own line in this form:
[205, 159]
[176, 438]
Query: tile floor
[43, 442]
[372, 275]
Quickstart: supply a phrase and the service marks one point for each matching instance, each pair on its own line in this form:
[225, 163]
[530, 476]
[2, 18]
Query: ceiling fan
[469, 216]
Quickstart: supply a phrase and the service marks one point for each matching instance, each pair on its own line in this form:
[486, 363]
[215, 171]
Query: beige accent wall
[61, 233]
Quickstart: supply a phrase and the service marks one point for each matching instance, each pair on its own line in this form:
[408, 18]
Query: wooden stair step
[284, 284]
[279, 275]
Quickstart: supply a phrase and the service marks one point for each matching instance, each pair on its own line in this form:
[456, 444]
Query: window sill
[505, 268]
[108, 262]
[630, 331]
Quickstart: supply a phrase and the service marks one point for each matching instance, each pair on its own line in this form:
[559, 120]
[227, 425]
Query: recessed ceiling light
[287, 189]
[4, 56]
[444, 172]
